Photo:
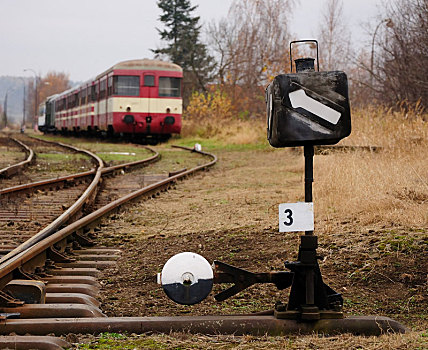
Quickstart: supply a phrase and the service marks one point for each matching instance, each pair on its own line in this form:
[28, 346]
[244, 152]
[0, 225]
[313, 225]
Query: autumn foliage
[212, 105]
[214, 115]
[51, 84]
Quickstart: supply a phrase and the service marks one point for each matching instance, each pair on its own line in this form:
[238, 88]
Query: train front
[146, 98]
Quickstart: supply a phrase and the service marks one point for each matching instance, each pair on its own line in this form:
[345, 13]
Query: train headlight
[169, 120]
[128, 119]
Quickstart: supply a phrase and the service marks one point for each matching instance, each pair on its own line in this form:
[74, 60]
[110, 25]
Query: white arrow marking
[299, 98]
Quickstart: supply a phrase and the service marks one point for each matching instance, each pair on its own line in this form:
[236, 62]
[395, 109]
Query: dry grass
[198, 341]
[231, 131]
[388, 187]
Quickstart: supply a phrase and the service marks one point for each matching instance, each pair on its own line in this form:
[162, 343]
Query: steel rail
[67, 215]
[33, 342]
[66, 178]
[13, 169]
[43, 242]
[234, 325]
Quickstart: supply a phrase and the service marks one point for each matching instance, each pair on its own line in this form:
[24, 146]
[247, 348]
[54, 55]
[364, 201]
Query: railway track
[52, 275]
[51, 287]
[10, 161]
[53, 160]
[45, 209]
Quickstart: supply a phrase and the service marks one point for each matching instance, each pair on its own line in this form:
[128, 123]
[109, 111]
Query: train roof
[144, 64]
[140, 64]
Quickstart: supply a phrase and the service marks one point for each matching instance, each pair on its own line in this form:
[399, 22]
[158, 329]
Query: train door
[149, 93]
[97, 105]
[102, 106]
[109, 104]
[91, 107]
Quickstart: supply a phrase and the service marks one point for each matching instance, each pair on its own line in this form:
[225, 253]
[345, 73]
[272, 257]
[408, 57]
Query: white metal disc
[187, 278]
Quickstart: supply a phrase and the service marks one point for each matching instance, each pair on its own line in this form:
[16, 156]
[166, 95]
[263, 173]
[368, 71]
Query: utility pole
[5, 109]
[389, 24]
[36, 78]
[23, 107]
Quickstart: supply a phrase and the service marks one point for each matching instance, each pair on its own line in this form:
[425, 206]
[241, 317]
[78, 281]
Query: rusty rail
[235, 325]
[104, 171]
[67, 215]
[49, 237]
[33, 342]
[13, 169]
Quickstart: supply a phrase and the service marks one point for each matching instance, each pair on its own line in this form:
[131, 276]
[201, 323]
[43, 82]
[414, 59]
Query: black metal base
[308, 313]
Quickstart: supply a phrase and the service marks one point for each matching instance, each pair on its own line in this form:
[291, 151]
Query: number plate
[296, 217]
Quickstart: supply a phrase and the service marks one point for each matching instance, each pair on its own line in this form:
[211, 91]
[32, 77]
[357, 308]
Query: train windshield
[126, 85]
[169, 87]
[42, 109]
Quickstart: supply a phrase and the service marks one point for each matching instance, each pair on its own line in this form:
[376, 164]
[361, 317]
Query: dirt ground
[231, 214]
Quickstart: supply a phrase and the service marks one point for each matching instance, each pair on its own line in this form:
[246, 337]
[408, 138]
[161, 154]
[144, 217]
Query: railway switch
[305, 108]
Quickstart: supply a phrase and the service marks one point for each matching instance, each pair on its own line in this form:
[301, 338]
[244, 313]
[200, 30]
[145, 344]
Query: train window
[83, 97]
[149, 80]
[126, 85]
[169, 87]
[103, 88]
[93, 94]
[110, 86]
[42, 109]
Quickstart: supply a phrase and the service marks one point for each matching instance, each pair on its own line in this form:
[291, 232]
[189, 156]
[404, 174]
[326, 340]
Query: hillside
[14, 87]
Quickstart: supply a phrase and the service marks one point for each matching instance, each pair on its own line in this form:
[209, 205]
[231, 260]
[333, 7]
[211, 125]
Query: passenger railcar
[137, 98]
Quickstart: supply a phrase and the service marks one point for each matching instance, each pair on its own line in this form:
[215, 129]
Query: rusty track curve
[78, 205]
[15, 168]
[48, 238]
[68, 214]
[62, 179]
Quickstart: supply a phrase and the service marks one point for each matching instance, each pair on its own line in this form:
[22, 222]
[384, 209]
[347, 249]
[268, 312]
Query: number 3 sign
[296, 217]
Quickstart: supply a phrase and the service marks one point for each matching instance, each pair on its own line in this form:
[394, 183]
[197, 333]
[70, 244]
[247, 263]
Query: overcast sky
[85, 37]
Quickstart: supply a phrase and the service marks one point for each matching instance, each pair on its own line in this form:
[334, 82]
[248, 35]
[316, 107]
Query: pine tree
[184, 48]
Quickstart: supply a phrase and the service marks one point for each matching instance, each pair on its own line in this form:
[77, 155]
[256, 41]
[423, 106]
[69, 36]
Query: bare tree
[401, 73]
[251, 47]
[397, 69]
[334, 37]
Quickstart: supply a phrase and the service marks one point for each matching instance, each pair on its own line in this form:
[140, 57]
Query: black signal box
[308, 108]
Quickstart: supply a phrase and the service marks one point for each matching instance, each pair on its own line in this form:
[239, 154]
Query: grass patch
[61, 157]
[110, 152]
[225, 134]
[12, 155]
[218, 144]
[121, 341]
[388, 188]
[404, 244]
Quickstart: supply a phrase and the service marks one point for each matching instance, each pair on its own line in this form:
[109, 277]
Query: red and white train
[138, 98]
